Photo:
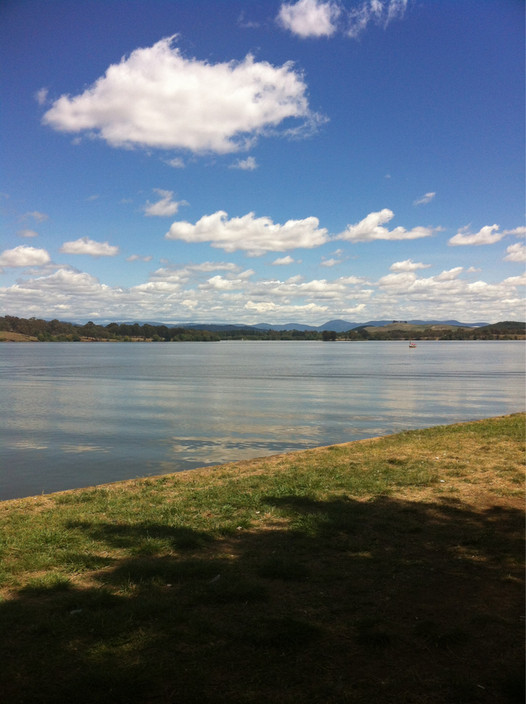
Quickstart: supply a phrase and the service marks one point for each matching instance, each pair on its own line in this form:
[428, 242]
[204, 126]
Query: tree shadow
[337, 601]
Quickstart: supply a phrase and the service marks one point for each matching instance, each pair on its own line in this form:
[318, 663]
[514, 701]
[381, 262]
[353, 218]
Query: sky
[248, 161]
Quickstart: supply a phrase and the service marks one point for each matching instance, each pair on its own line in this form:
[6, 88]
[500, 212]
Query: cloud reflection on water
[130, 410]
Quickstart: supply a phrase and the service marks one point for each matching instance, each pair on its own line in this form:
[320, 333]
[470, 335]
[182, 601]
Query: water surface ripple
[79, 414]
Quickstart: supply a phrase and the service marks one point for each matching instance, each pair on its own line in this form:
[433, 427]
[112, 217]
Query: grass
[387, 570]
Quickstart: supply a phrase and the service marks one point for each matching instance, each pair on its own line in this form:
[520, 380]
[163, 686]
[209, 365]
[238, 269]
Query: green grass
[387, 570]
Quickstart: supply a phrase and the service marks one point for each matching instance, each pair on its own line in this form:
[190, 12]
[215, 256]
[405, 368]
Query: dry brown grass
[6, 336]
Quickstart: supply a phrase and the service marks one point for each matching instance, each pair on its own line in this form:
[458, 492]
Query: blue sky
[246, 161]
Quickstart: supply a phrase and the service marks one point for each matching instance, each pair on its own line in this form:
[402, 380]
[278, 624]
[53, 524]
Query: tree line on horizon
[60, 331]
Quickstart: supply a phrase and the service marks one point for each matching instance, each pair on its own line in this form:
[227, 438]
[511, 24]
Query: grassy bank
[386, 570]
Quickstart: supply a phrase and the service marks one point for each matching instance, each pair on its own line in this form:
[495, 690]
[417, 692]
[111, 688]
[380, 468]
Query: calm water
[81, 414]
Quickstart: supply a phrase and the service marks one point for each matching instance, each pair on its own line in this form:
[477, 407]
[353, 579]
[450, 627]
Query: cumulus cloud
[27, 233]
[425, 199]
[165, 207]
[223, 291]
[310, 18]
[248, 164]
[250, 234]
[408, 265]
[371, 228]
[158, 98]
[283, 261]
[489, 234]
[449, 274]
[86, 246]
[518, 231]
[269, 307]
[407, 281]
[324, 18]
[24, 256]
[220, 283]
[63, 279]
[516, 253]
[516, 280]
[316, 289]
[432, 296]
[213, 266]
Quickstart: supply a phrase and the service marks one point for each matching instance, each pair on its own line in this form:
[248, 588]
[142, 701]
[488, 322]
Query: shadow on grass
[387, 600]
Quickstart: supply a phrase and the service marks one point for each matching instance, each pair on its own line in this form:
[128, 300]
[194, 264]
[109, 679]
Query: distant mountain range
[344, 325]
[334, 325]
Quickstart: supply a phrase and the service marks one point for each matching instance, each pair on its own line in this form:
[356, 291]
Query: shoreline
[388, 569]
[245, 465]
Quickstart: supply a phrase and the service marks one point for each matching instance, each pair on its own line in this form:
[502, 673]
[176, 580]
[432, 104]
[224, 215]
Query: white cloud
[398, 282]
[432, 297]
[370, 228]
[408, 265]
[516, 280]
[36, 215]
[195, 272]
[158, 98]
[352, 280]
[407, 282]
[27, 233]
[24, 256]
[489, 234]
[516, 253]
[378, 12]
[330, 262]
[425, 199]
[222, 291]
[250, 234]
[138, 258]
[70, 281]
[213, 266]
[283, 261]
[41, 96]
[245, 23]
[518, 231]
[318, 18]
[269, 307]
[449, 274]
[226, 283]
[248, 164]
[316, 289]
[190, 303]
[86, 246]
[165, 207]
[176, 163]
[219, 283]
[310, 18]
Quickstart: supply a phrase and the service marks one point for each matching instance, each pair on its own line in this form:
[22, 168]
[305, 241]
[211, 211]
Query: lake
[80, 414]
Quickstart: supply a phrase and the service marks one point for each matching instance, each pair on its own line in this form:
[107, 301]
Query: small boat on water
[412, 344]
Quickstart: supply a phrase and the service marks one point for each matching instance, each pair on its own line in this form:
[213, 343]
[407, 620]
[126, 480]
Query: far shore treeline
[13, 329]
